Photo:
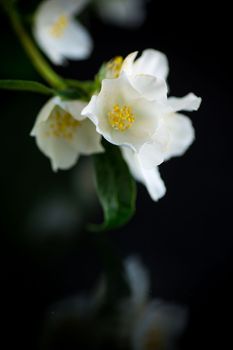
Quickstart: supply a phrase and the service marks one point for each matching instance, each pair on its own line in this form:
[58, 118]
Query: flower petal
[152, 153]
[87, 141]
[64, 144]
[120, 92]
[153, 63]
[61, 154]
[58, 34]
[150, 87]
[182, 134]
[50, 10]
[149, 177]
[127, 13]
[139, 281]
[189, 102]
[160, 325]
[44, 114]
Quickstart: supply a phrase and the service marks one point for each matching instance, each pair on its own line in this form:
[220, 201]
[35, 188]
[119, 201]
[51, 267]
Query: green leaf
[115, 187]
[25, 85]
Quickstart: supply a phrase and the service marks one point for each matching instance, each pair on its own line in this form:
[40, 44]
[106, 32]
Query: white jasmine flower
[57, 32]
[62, 134]
[123, 115]
[125, 13]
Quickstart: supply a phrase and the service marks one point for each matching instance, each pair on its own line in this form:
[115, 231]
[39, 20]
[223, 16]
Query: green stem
[36, 57]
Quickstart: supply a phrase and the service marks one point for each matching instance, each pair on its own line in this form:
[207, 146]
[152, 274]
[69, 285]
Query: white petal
[153, 153]
[154, 184]
[120, 92]
[62, 151]
[150, 87]
[189, 102]
[44, 114]
[87, 141]
[126, 13]
[70, 40]
[138, 279]
[74, 43]
[128, 63]
[91, 110]
[161, 324]
[153, 63]
[182, 134]
[73, 107]
[50, 10]
[149, 177]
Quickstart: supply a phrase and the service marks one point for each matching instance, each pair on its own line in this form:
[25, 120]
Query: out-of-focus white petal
[58, 34]
[160, 325]
[149, 177]
[126, 13]
[50, 10]
[182, 135]
[151, 62]
[63, 138]
[87, 140]
[44, 114]
[138, 279]
[189, 102]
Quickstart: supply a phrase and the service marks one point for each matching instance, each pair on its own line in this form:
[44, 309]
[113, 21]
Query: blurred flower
[126, 13]
[62, 134]
[57, 32]
[124, 116]
[136, 322]
[153, 324]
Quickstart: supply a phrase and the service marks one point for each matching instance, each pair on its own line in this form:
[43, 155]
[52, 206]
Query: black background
[185, 239]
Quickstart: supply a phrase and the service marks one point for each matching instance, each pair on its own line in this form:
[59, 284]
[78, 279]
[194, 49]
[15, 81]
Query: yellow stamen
[114, 66]
[121, 118]
[59, 26]
[62, 125]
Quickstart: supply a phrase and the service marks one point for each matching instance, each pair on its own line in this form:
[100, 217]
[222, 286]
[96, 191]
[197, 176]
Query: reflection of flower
[63, 134]
[152, 324]
[126, 13]
[58, 34]
[135, 322]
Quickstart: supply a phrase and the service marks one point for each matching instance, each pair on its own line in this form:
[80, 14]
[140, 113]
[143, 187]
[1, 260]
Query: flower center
[62, 125]
[115, 65]
[59, 26]
[121, 118]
